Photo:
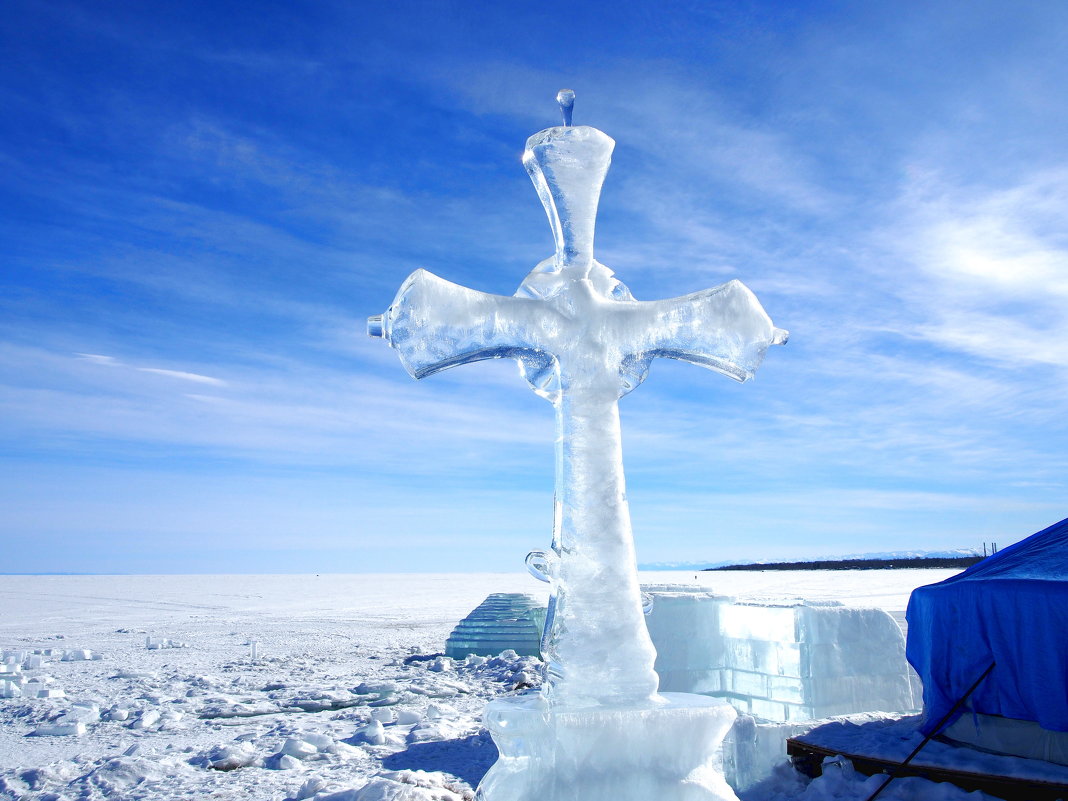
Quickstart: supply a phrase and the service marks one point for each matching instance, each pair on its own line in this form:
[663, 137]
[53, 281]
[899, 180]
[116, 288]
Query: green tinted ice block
[505, 620]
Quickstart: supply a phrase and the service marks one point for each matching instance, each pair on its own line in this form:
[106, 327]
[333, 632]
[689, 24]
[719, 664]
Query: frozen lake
[38, 606]
[329, 647]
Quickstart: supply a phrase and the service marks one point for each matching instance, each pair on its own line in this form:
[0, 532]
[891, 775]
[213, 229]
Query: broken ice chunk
[322, 742]
[147, 718]
[9, 689]
[310, 788]
[283, 762]
[299, 749]
[230, 757]
[382, 715]
[60, 729]
[84, 712]
[441, 664]
[372, 734]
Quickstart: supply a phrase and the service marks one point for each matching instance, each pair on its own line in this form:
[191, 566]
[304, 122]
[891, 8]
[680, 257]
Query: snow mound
[404, 785]
[117, 776]
[228, 757]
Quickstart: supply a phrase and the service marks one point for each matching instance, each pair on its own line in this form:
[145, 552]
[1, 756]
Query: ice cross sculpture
[582, 341]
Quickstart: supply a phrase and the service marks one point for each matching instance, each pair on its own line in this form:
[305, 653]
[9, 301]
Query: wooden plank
[808, 759]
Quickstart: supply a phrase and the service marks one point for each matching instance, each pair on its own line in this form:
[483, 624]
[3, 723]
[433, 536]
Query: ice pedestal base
[667, 751]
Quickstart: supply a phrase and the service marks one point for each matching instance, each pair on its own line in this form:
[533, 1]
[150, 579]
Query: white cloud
[111, 361]
[96, 358]
[184, 376]
[992, 266]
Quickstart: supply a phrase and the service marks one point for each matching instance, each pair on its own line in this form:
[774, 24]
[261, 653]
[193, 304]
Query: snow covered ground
[156, 693]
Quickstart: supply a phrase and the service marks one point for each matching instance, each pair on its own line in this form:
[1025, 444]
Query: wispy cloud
[111, 361]
[184, 376]
[97, 358]
[991, 266]
[281, 413]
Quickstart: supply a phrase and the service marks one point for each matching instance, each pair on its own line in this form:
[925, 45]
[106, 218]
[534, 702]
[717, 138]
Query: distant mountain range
[886, 556]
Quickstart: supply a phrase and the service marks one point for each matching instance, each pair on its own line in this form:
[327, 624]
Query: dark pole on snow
[934, 731]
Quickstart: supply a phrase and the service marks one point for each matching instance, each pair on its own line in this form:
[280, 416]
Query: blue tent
[1011, 609]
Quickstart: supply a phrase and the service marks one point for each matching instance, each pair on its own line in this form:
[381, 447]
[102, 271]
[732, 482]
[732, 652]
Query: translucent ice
[666, 752]
[503, 621]
[582, 341]
[599, 729]
[780, 661]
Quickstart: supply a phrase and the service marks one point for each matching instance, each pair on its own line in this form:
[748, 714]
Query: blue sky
[205, 200]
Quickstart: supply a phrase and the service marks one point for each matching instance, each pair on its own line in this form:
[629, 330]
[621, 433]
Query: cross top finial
[566, 99]
[568, 166]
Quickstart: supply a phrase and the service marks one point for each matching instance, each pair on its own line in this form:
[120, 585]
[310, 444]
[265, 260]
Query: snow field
[334, 696]
[347, 698]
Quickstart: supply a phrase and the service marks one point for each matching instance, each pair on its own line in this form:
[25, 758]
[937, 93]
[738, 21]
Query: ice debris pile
[395, 723]
[504, 621]
[159, 643]
[779, 660]
[22, 671]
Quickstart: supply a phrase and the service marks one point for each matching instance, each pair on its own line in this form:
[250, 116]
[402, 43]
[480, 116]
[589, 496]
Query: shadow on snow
[468, 758]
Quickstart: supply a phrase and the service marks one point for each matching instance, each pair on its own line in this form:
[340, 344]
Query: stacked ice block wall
[776, 660]
[779, 661]
[505, 620]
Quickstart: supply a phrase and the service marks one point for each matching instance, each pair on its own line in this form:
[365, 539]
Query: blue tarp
[1012, 609]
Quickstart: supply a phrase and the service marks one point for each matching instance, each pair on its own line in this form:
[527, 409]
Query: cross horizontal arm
[434, 324]
[723, 329]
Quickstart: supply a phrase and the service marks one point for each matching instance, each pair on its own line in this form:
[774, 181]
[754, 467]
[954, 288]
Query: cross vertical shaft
[598, 602]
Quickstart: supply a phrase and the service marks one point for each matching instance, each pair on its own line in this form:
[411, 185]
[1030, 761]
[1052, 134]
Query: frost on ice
[582, 341]
[505, 620]
[785, 660]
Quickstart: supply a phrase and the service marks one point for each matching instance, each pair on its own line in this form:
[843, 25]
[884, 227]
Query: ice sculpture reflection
[582, 341]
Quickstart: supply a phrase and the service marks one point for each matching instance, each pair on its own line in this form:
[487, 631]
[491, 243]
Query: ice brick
[60, 729]
[752, 749]
[745, 683]
[889, 693]
[758, 622]
[643, 753]
[788, 689]
[768, 710]
[9, 689]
